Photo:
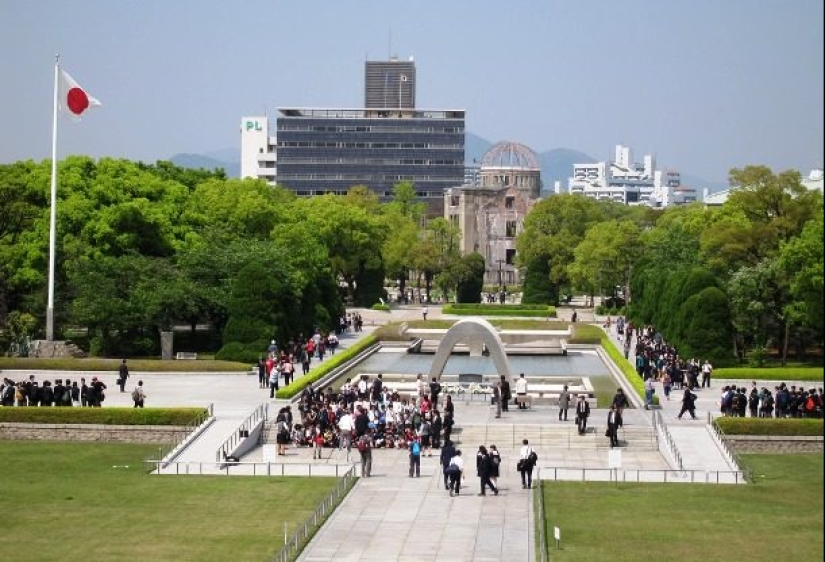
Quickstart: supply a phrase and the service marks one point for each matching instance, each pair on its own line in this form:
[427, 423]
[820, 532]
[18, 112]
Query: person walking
[484, 469]
[346, 426]
[650, 390]
[123, 374]
[495, 463]
[582, 413]
[564, 403]
[455, 470]
[364, 446]
[139, 395]
[526, 462]
[425, 311]
[613, 426]
[666, 384]
[448, 451]
[688, 404]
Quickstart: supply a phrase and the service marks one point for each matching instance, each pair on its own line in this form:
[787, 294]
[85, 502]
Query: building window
[510, 229]
[509, 201]
[510, 257]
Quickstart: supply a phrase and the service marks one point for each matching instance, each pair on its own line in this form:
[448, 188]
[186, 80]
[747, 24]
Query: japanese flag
[74, 100]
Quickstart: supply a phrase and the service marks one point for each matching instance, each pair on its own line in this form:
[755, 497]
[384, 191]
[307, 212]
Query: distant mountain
[475, 147]
[232, 169]
[556, 164]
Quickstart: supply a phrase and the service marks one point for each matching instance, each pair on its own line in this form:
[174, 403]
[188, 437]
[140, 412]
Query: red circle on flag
[77, 101]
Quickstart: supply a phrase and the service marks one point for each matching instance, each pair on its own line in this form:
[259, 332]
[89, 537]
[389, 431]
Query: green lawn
[776, 373]
[81, 501]
[777, 517]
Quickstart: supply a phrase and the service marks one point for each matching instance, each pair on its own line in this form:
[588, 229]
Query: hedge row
[104, 416]
[324, 368]
[492, 310]
[816, 374]
[99, 364]
[379, 306]
[771, 426]
[483, 306]
[586, 334]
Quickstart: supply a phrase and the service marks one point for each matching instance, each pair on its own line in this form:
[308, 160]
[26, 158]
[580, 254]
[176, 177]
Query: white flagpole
[53, 210]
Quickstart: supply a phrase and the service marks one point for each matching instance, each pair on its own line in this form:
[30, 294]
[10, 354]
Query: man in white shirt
[707, 369]
[346, 426]
[525, 464]
[456, 472]
[521, 390]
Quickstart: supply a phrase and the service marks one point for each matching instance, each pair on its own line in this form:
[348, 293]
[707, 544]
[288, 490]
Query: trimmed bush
[321, 370]
[135, 365]
[104, 416]
[586, 334]
[769, 426]
[499, 310]
[814, 374]
[379, 306]
[537, 285]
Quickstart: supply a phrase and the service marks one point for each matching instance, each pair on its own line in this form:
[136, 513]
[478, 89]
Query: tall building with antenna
[389, 84]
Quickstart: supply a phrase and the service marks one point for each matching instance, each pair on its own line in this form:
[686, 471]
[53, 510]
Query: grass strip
[771, 426]
[76, 502]
[813, 374]
[324, 368]
[694, 522]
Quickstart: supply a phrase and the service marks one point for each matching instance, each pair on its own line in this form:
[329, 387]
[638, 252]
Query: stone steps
[511, 436]
[556, 436]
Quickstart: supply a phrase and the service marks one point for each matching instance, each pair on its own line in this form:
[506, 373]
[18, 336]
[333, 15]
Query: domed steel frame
[510, 155]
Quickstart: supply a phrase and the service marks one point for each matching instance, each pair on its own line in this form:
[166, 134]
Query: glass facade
[322, 151]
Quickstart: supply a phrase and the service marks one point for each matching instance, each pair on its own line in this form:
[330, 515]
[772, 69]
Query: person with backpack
[495, 463]
[415, 457]
[455, 472]
[527, 460]
[139, 395]
[364, 446]
[448, 451]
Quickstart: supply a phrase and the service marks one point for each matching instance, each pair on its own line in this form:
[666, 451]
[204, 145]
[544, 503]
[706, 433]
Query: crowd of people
[782, 402]
[370, 409]
[60, 392]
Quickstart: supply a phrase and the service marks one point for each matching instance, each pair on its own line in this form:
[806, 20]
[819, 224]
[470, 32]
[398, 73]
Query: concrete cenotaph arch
[474, 331]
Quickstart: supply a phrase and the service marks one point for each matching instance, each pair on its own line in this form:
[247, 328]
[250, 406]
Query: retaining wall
[159, 434]
[743, 444]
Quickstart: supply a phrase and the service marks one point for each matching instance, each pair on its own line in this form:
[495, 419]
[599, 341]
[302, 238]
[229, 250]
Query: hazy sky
[706, 85]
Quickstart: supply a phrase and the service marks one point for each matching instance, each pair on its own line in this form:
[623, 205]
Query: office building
[630, 183]
[389, 84]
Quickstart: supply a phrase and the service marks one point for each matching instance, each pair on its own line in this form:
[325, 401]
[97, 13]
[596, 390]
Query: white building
[258, 157]
[812, 182]
[630, 183]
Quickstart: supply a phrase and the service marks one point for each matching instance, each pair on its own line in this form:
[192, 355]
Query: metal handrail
[294, 544]
[558, 473]
[541, 522]
[722, 439]
[233, 440]
[188, 429]
[661, 426]
[198, 468]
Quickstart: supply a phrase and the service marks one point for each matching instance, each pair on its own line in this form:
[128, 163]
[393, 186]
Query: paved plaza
[391, 516]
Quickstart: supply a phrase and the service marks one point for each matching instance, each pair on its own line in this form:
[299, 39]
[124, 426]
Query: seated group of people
[336, 419]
